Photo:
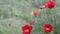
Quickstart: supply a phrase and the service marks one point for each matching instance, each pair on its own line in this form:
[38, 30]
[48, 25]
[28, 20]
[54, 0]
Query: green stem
[55, 32]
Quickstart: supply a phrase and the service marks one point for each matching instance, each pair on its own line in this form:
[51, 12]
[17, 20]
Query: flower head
[48, 28]
[27, 29]
[50, 4]
[35, 13]
[31, 22]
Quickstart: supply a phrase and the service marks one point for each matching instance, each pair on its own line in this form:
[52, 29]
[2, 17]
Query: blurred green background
[15, 13]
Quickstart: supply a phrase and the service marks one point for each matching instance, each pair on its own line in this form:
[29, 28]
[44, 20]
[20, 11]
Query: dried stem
[46, 33]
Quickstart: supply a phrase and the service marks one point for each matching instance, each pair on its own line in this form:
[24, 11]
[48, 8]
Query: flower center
[27, 30]
[47, 28]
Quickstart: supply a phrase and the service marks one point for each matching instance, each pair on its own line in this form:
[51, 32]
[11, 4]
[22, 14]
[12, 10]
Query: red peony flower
[35, 13]
[50, 4]
[31, 22]
[26, 29]
[48, 28]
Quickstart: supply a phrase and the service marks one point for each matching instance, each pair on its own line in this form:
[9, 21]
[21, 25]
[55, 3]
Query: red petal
[25, 27]
[26, 32]
[30, 27]
[47, 30]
